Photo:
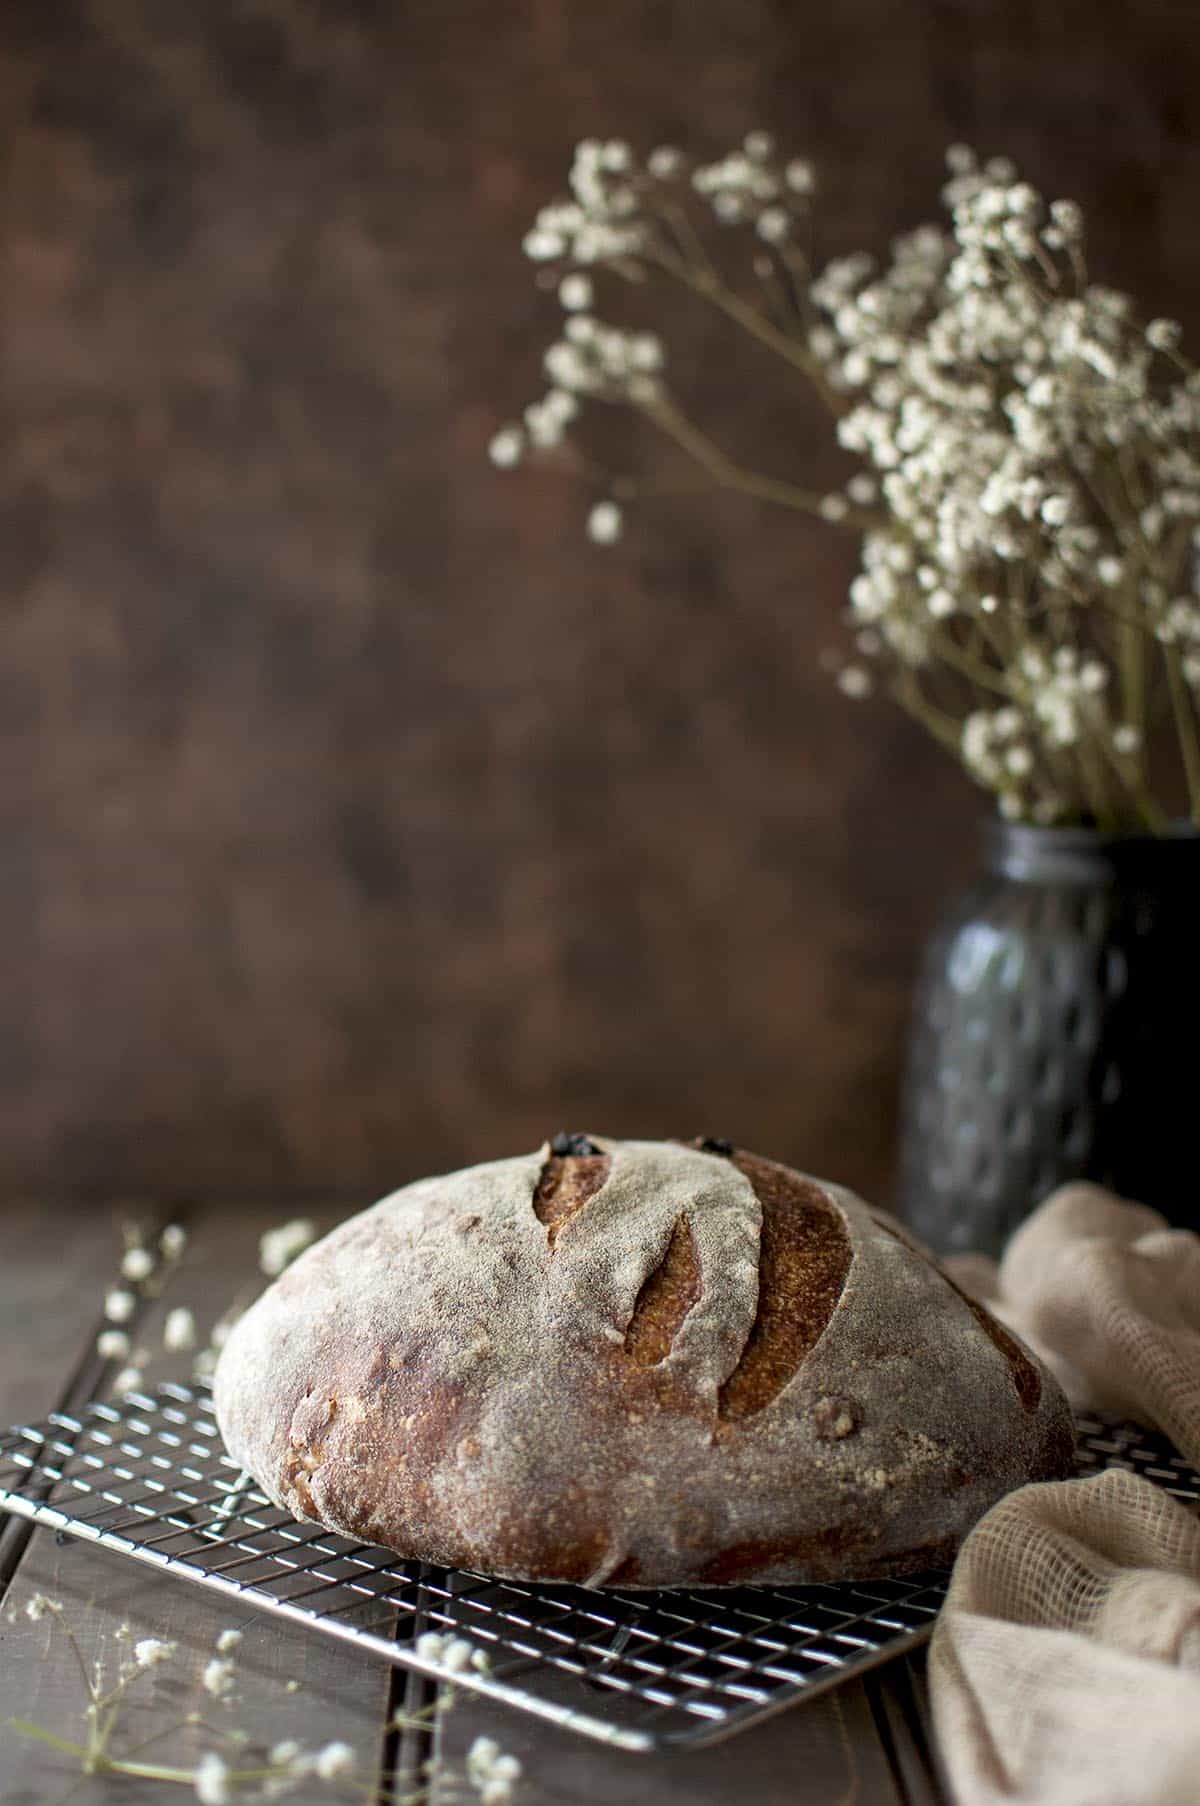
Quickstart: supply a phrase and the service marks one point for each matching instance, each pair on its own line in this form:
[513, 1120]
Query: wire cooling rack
[149, 1478]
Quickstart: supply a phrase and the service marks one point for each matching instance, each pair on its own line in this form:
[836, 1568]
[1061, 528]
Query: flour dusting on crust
[443, 1376]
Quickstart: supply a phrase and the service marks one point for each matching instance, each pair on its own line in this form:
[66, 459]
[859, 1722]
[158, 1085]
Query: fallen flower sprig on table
[236, 1768]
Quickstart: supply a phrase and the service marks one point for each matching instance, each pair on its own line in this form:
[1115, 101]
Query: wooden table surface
[864, 1745]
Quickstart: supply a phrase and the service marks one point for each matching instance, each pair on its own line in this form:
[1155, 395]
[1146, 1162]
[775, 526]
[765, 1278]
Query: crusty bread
[638, 1364]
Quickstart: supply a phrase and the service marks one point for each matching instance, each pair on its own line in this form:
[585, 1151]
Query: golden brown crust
[565, 1184]
[665, 1300]
[803, 1262]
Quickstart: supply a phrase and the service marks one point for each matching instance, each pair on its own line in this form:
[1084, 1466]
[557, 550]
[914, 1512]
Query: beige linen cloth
[1065, 1666]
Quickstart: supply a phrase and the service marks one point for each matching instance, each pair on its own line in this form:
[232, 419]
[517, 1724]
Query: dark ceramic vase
[1056, 1035]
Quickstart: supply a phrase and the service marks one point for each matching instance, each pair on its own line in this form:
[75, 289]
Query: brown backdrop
[358, 817]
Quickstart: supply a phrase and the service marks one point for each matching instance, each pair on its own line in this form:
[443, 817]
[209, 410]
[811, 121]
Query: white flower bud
[1068, 217]
[541, 246]
[773, 225]
[119, 1305]
[605, 523]
[665, 163]
[1164, 335]
[576, 292]
[334, 1762]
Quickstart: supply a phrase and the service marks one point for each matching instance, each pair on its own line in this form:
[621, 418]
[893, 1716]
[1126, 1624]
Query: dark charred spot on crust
[564, 1185]
[1026, 1378]
[716, 1144]
[804, 1257]
[666, 1297]
[564, 1144]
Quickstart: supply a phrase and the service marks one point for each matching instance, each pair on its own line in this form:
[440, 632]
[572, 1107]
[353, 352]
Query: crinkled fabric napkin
[1065, 1666]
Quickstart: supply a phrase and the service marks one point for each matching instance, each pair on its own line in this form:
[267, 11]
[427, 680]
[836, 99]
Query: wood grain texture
[338, 1695]
[358, 819]
[827, 1752]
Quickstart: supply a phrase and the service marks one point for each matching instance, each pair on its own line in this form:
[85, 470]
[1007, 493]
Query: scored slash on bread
[635, 1363]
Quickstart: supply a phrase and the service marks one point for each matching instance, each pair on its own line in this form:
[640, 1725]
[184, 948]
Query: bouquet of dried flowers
[1029, 492]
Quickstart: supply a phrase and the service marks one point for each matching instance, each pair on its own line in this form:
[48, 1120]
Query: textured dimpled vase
[1055, 1034]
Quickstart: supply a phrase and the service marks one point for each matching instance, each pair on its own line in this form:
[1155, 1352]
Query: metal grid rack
[149, 1478]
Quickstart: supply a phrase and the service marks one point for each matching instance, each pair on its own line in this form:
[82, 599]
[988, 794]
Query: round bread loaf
[635, 1363]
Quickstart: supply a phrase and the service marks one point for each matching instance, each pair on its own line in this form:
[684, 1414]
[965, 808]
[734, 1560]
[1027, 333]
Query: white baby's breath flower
[506, 446]
[1127, 739]
[128, 1380]
[212, 1780]
[1068, 217]
[541, 246]
[179, 1330]
[645, 351]
[37, 1607]
[151, 1651]
[491, 1772]
[576, 292]
[431, 1645]
[173, 1241]
[228, 1641]
[773, 225]
[112, 1344]
[218, 1677]
[1164, 335]
[137, 1264]
[279, 1247]
[334, 1762]
[665, 162]
[119, 1304]
[993, 391]
[616, 156]
[854, 682]
[458, 1655]
[605, 523]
